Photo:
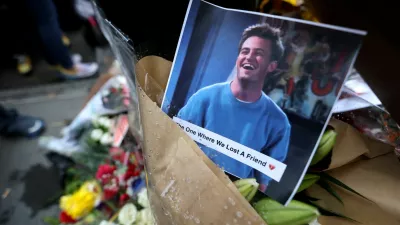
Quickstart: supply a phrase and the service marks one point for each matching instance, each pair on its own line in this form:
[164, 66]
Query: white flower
[105, 122]
[96, 134]
[129, 189]
[145, 217]
[143, 200]
[128, 214]
[129, 192]
[105, 92]
[106, 139]
[104, 222]
[95, 120]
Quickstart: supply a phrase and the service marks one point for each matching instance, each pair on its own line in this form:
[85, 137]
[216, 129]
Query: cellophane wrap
[367, 114]
[184, 186]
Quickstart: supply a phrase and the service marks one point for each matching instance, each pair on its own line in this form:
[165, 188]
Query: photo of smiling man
[239, 110]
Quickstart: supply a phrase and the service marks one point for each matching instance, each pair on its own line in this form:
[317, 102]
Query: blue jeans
[7, 116]
[46, 18]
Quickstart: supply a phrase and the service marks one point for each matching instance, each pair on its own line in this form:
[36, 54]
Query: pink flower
[125, 91]
[117, 154]
[126, 102]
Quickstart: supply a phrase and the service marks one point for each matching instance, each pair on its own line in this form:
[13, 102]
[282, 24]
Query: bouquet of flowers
[185, 187]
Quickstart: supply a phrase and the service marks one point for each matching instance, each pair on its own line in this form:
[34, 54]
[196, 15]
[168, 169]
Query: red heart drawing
[271, 167]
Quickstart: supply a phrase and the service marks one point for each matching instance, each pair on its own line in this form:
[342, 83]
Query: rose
[106, 139]
[117, 154]
[105, 172]
[132, 171]
[143, 200]
[128, 214]
[65, 218]
[123, 198]
[105, 123]
[102, 122]
[96, 134]
[145, 217]
[104, 222]
[106, 175]
[81, 202]
[110, 190]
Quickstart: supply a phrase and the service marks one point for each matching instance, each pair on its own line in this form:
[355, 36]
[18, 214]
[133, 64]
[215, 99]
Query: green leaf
[73, 186]
[329, 189]
[111, 205]
[51, 220]
[327, 177]
[327, 212]
[312, 199]
[303, 197]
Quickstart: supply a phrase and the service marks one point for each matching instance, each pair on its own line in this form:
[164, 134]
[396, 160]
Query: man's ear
[272, 66]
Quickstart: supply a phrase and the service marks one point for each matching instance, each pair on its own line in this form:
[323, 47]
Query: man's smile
[248, 66]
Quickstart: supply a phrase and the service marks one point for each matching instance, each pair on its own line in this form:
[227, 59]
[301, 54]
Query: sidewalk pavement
[27, 179]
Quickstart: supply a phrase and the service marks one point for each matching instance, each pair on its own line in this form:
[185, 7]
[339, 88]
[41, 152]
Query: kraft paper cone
[377, 179]
[185, 187]
[152, 73]
[349, 144]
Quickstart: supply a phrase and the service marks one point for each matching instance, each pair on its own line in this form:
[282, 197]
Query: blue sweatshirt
[261, 126]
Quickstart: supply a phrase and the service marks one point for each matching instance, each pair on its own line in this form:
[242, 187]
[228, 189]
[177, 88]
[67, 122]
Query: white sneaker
[80, 70]
[76, 58]
[86, 69]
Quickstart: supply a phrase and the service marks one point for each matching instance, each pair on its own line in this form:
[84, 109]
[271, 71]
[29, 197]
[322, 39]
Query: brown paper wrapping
[351, 145]
[152, 73]
[185, 187]
[201, 193]
[378, 179]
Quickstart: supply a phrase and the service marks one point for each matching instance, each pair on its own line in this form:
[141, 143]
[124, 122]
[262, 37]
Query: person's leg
[57, 54]
[6, 117]
[45, 14]
[14, 124]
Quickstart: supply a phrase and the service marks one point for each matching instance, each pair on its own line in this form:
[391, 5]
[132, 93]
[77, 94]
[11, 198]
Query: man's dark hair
[267, 32]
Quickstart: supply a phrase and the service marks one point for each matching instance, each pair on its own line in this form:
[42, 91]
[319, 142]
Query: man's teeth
[248, 66]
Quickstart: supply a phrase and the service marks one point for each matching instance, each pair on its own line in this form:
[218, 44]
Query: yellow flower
[82, 201]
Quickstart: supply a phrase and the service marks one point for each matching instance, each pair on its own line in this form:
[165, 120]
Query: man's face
[253, 62]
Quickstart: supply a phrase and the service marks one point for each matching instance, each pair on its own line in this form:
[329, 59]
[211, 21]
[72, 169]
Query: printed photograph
[256, 91]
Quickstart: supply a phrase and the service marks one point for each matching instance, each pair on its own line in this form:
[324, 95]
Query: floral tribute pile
[105, 183]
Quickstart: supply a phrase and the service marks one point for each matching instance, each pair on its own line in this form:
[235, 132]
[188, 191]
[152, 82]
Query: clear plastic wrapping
[184, 186]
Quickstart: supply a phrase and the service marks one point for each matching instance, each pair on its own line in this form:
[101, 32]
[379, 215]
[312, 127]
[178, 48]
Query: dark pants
[46, 20]
[6, 117]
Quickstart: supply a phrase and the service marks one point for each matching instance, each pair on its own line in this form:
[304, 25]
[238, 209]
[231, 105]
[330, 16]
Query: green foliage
[327, 212]
[329, 178]
[74, 179]
[330, 190]
[51, 220]
[93, 153]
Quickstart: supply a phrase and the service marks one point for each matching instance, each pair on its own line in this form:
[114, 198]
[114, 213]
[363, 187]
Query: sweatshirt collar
[240, 103]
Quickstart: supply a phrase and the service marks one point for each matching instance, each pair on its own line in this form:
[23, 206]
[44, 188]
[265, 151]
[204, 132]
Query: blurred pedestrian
[55, 43]
[14, 124]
